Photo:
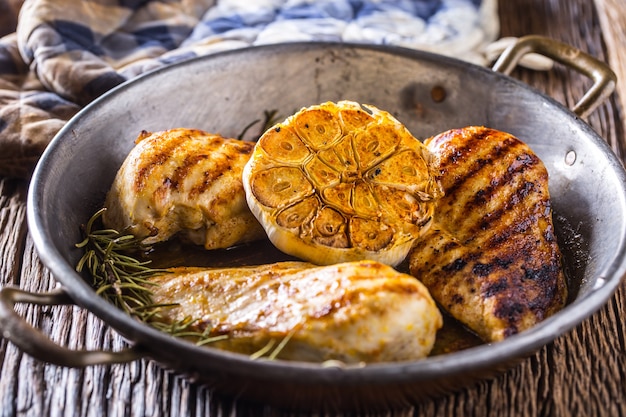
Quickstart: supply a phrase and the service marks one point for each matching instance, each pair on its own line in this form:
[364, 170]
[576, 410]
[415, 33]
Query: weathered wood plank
[582, 373]
[12, 236]
[613, 22]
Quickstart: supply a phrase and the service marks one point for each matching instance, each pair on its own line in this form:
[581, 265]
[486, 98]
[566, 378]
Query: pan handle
[32, 341]
[603, 77]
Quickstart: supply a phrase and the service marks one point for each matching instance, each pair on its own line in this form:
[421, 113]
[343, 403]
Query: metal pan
[427, 92]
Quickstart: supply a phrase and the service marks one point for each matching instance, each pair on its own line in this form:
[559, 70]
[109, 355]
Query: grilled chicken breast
[186, 182]
[491, 257]
[352, 312]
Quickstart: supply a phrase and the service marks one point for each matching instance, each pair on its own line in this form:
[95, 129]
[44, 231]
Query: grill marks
[184, 182]
[492, 233]
[495, 172]
[495, 185]
[163, 151]
[172, 161]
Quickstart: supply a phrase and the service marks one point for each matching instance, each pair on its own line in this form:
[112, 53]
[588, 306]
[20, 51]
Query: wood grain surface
[582, 373]
[613, 23]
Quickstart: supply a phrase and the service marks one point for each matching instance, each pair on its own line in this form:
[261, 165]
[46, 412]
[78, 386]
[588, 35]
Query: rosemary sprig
[125, 282]
[270, 119]
[269, 351]
[119, 278]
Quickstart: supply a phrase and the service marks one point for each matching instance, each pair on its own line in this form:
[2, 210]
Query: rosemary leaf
[282, 344]
[205, 340]
[264, 350]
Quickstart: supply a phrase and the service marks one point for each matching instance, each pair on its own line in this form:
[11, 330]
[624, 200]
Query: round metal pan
[429, 94]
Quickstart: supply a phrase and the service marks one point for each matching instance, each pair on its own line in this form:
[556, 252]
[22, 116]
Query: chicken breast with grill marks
[185, 182]
[491, 258]
[361, 311]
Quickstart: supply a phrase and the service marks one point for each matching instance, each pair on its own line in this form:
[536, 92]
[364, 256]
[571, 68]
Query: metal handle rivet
[570, 158]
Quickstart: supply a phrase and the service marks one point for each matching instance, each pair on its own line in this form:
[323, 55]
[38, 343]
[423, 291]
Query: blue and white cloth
[66, 53]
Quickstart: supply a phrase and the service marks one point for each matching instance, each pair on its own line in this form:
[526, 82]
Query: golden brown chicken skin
[491, 258]
[183, 182]
[360, 311]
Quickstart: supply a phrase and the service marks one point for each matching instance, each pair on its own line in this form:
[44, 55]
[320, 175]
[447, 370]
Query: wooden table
[582, 373]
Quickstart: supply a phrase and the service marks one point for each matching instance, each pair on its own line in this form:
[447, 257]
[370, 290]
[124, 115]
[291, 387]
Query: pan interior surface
[429, 94]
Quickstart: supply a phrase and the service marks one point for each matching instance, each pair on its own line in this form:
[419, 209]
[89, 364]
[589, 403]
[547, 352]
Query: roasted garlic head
[340, 182]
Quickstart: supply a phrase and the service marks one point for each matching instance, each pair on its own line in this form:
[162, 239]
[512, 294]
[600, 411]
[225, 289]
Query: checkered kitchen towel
[66, 53]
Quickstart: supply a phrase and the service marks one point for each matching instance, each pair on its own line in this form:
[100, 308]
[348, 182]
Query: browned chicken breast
[491, 257]
[185, 182]
[352, 312]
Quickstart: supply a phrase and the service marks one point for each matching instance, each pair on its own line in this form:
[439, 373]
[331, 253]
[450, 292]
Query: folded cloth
[65, 53]
[9, 10]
